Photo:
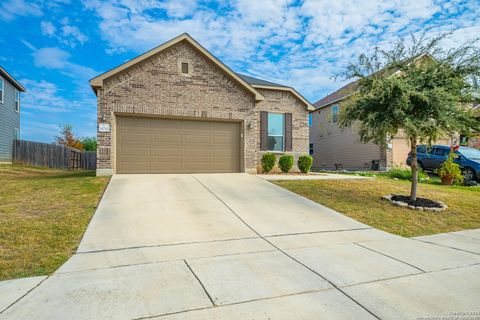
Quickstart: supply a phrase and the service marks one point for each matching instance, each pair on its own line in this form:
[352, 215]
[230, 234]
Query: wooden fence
[53, 156]
[89, 160]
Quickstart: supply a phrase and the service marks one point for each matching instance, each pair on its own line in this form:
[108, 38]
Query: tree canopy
[68, 138]
[419, 88]
[416, 87]
[89, 143]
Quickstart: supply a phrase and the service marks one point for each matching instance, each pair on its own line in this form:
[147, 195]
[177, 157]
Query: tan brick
[155, 87]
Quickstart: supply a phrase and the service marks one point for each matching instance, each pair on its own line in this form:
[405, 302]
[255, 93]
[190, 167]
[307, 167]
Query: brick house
[178, 109]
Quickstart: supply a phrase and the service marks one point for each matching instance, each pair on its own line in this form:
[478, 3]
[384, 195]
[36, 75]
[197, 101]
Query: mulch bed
[290, 173]
[420, 202]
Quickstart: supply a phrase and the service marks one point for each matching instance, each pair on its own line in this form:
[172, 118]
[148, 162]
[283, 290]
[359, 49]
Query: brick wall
[156, 87]
[285, 102]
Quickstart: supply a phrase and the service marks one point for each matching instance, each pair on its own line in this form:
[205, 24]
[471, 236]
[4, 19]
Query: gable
[7, 77]
[158, 81]
[125, 70]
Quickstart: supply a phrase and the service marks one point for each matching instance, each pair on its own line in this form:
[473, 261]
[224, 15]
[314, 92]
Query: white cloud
[10, 9]
[44, 96]
[55, 58]
[37, 130]
[51, 58]
[46, 105]
[47, 28]
[65, 33]
[179, 8]
[74, 34]
[300, 43]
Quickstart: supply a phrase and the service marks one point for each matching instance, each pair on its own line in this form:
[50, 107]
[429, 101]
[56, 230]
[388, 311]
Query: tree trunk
[414, 166]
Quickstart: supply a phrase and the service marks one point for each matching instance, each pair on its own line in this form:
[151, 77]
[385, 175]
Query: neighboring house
[334, 148]
[9, 114]
[473, 140]
[178, 109]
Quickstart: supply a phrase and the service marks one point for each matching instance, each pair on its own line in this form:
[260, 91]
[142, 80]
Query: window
[310, 149]
[421, 149]
[470, 153]
[17, 100]
[2, 89]
[276, 131]
[310, 120]
[463, 140]
[185, 67]
[442, 152]
[16, 134]
[334, 114]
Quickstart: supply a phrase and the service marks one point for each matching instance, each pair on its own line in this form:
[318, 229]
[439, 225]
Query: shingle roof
[260, 82]
[340, 94]
[15, 83]
[351, 87]
[264, 84]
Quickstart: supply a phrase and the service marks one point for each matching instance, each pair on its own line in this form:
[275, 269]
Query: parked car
[430, 158]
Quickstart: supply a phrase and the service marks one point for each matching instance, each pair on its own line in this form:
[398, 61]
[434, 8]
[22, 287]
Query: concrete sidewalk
[234, 246]
[311, 176]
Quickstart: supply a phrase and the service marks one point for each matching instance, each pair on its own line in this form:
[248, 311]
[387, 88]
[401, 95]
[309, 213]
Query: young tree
[89, 143]
[68, 138]
[420, 89]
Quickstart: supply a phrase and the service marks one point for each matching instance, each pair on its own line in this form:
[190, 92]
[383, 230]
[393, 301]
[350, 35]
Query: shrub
[89, 143]
[285, 163]
[268, 161]
[451, 169]
[405, 174]
[305, 163]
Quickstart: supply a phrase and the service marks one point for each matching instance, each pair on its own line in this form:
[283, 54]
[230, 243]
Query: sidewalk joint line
[315, 232]
[445, 246]
[386, 255]
[21, 297]
[200, 282]
[235, 303]
[286, 254]
[164, 245]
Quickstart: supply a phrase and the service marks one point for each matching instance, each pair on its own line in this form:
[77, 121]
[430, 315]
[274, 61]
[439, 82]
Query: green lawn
[43, 215]
[360, 200]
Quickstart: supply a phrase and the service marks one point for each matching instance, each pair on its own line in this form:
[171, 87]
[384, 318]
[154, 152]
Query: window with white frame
[310, 120]
[2, 89]
[335, 114]
[310, 149]
[276, 132]
[17, 100]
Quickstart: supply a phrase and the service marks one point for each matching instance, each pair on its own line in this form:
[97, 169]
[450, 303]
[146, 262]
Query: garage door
[148, 145]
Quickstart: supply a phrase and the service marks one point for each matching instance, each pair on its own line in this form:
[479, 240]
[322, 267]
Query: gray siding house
[9, 114]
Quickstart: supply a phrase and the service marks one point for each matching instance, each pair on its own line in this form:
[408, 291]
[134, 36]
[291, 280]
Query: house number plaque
[104, 127]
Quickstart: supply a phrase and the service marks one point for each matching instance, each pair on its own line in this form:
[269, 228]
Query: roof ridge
[11, 79]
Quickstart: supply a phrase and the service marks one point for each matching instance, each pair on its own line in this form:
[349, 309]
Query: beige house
[334, 148]
[178, 109]
[473, 140]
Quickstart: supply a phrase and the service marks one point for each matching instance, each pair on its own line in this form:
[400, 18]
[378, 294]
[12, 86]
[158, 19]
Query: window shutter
[263, 130]
[288, 132]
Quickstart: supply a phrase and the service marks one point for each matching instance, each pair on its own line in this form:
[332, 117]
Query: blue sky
[54, 47]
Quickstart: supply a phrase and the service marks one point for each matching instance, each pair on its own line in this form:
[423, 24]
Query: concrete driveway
[234, 246]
